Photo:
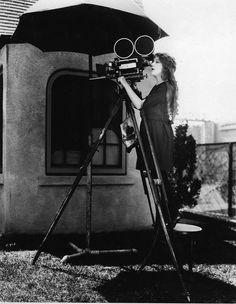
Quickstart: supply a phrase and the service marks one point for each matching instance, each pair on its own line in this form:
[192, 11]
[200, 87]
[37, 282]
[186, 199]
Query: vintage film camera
[132, 59]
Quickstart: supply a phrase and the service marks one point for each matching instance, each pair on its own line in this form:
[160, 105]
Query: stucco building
[46, 107]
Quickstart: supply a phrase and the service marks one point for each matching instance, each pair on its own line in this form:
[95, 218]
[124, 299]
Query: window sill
[45, 181]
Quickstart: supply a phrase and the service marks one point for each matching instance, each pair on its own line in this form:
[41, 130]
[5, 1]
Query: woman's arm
[136, 101]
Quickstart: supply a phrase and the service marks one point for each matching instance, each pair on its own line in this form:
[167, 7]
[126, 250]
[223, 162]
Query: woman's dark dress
[156, 112]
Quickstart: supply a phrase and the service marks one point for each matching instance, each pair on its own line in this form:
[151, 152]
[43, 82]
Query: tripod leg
[162, 222]
[168, 241]
[148, 196]
[89, 201]
[157, 169]
[148, 256]
[154, 242]
[81, 172]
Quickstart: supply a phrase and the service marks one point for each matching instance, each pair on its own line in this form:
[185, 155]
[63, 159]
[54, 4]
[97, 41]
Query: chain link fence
[216, 167]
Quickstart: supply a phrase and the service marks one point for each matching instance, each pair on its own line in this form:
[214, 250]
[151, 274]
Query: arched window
[76, 108]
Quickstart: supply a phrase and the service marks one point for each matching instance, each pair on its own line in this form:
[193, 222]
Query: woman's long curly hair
[169, 67]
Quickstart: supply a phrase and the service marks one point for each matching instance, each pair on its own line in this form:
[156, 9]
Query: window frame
[50, 170]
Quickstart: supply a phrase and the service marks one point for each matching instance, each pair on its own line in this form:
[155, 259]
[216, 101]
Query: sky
[202, 39]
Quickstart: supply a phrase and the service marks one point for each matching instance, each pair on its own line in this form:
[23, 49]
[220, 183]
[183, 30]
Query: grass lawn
[106, 278]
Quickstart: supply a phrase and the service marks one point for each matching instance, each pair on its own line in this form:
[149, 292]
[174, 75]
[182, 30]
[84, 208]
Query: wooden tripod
[157, 189]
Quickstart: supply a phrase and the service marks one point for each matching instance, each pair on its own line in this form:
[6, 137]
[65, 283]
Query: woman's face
[156, 67]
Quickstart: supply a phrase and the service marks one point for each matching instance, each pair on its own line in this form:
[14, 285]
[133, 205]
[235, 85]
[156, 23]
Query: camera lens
[144, 45]
[124, 48]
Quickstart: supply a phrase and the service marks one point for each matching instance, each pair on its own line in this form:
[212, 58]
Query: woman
[160, 108]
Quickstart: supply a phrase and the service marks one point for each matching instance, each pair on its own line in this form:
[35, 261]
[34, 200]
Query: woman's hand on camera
[122, 80]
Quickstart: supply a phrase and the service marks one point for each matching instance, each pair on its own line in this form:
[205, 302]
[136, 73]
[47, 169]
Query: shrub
[186, 186]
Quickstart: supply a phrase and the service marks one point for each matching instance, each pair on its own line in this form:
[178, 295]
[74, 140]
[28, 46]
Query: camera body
[130, 68]
[132, 59]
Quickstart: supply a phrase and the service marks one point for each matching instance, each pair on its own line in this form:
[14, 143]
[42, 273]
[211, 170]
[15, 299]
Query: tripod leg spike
[187, 295]
[64, 259]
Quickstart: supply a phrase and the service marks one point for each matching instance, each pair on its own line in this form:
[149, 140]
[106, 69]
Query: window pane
[99, 156]
[58, 157]
[112, 155]
[73, 157]
[96, 133]
[111, 137]
[75, 108]
[70, 118]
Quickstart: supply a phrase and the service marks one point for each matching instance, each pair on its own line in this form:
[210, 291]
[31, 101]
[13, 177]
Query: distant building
[206, 131]
[227, 132]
